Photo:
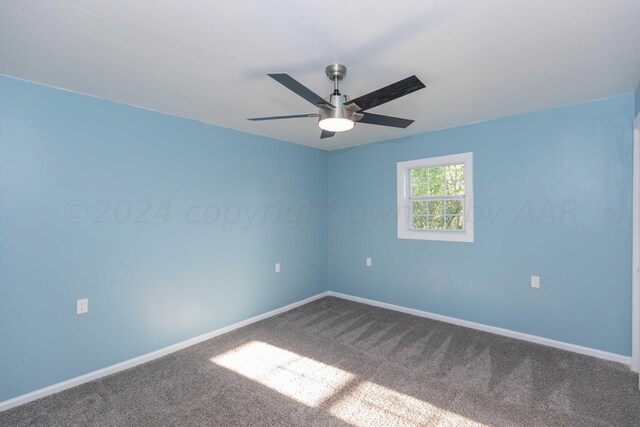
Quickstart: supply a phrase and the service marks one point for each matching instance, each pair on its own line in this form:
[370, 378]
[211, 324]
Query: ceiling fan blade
[385, 94]
[326, 134]
[377, 119]
[292, 84]
[294, 116]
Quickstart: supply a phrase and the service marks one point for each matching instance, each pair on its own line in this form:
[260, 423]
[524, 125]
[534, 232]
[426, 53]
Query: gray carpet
[334, 362]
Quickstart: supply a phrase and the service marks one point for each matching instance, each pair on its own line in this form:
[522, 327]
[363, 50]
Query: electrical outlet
[278, 267]
[82, 306]
[368, 262]
[535, 281]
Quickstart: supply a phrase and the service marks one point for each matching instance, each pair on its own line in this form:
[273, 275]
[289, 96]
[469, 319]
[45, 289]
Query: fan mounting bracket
[336, 71]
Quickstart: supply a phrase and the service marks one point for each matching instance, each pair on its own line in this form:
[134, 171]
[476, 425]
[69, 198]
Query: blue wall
[171, 228]
[528, 169]
[152, 280]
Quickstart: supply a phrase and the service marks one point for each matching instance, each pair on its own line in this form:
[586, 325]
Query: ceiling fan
[338, 113]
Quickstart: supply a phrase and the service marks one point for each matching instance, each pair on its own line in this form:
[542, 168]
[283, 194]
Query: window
[435, 198]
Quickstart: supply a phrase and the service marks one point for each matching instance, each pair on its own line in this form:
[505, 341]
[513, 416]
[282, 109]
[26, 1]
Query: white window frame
[404, 205]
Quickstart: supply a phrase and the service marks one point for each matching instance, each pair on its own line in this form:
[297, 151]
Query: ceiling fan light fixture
[336, 124]
[338, 118]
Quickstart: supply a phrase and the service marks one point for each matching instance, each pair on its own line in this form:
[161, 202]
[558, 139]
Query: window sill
[444, 236]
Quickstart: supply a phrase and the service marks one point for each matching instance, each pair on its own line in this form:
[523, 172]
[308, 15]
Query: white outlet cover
[368, 262]
[535, 281]
[82, 306]
[278, 267]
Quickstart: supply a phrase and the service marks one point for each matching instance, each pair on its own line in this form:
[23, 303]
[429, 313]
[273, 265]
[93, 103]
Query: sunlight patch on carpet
[300, 378]
[316, 384]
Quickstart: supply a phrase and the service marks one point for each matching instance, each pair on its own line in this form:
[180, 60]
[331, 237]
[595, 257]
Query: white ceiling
[207, 60]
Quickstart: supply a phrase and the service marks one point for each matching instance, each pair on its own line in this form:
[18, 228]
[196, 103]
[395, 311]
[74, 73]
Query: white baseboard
[55, 388]
[492, 329]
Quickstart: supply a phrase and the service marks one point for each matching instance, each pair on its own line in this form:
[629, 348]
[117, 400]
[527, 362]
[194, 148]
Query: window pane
[419, 222]
[435, 222]
[454, 172]
[453, 207]
[436, 188]
[436, 173]
[418, 182]
[419, 208]
[453, 222]
[436, 207]
[455, 188]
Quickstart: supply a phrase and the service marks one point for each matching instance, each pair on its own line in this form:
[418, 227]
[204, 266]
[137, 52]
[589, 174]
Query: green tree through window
[437, 198]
